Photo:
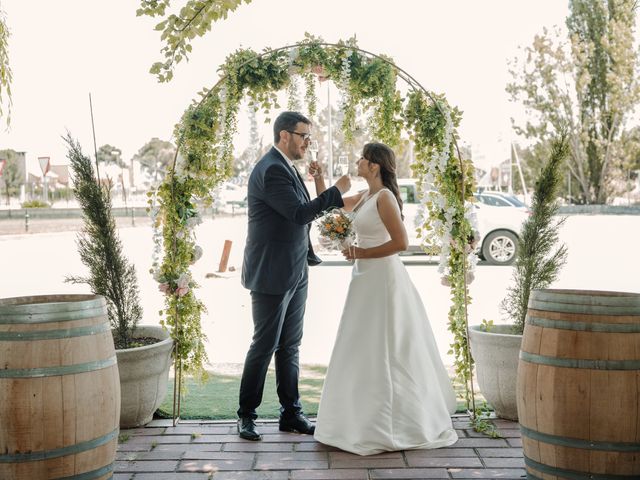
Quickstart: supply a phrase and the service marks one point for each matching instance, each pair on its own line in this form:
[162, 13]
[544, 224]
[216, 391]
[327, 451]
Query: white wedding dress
[386, 388]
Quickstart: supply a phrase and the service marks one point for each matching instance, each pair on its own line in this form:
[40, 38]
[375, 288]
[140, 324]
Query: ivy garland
[205, 155]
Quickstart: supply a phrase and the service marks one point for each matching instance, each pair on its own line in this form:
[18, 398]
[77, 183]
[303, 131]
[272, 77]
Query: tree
[6, 76]
[110, 155]
[194, 20]
[12, 175]
[631, 149]
[155, 157]
[586, 84]
[532, 159]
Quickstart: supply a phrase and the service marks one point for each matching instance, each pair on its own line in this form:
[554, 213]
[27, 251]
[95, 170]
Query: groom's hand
[315, 169]
[343, 184]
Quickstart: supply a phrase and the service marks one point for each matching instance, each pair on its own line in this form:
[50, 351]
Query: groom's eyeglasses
[305, 136]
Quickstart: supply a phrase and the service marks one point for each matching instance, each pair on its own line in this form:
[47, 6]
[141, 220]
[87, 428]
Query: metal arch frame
[415, 86]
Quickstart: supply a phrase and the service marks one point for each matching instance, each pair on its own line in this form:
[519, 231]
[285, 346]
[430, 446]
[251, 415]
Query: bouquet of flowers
[336, 229]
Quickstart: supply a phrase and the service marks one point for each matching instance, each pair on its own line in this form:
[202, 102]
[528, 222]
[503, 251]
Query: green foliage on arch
[368, 82]
[6, 76]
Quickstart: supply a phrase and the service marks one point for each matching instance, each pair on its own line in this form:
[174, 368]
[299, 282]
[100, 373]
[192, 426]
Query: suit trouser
[277, 328]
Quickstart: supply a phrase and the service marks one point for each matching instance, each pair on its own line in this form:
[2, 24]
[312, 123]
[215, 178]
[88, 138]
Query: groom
[275, 269]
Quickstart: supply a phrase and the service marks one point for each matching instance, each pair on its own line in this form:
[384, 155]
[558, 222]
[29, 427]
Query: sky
[63, 50]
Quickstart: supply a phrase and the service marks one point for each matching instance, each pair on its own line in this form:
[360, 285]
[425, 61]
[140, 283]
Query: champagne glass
[342, 168]
[313, 149]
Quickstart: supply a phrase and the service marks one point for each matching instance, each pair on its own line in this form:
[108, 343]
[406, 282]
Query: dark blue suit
[275, 269]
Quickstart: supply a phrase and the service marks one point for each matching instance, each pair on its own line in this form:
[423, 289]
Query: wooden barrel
[59, 388]
[578, 388]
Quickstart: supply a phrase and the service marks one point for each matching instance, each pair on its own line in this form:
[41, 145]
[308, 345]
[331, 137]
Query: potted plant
[495, 348]
[143, 352]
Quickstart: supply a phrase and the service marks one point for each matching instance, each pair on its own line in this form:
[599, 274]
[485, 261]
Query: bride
[386, 387]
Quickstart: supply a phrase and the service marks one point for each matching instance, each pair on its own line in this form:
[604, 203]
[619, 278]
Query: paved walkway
[197, 450]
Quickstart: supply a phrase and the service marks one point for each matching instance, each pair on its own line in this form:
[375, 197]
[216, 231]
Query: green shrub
[110, 272]
[35, 204]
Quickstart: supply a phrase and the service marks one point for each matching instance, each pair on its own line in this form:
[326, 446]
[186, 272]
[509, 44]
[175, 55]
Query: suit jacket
[280, 211]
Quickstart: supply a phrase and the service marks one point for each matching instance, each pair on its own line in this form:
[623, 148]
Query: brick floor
[199, 450]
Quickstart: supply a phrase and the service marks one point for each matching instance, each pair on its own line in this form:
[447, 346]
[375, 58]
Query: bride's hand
[353, 253]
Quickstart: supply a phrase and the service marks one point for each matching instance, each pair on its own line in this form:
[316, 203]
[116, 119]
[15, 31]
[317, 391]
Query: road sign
[44, 164]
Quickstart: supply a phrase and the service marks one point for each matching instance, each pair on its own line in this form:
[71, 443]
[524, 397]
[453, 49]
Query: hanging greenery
[193, 19]
[366, 81]
[6, 76]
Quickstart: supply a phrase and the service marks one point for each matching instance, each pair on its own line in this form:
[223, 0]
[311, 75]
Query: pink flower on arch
[320, 72]
[183, 285]
[182, 291]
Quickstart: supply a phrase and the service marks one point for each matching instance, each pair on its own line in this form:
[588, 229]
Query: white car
[500, 218]
[230, 192]
[499, 199]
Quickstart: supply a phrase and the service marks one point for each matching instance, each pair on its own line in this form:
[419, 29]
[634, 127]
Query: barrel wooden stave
[78, 411]
[588, 404]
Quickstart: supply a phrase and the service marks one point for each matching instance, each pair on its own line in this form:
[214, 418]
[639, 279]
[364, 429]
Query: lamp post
[330, 135]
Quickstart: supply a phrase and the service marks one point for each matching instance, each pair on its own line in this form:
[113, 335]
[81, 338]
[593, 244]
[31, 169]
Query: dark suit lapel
[304, 187]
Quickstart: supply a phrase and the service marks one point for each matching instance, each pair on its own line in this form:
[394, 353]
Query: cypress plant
[110, 273]
[538, 262]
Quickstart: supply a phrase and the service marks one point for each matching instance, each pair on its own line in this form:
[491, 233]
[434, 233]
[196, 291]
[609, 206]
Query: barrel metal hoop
[584, 309]
[584, 326]
[587, 297]
[574, 474]
[625, 447]
[30, 318]
[580, 362]
[92, 474]
[59, 370]
[60, 304]
[56, 334]
[60, 452]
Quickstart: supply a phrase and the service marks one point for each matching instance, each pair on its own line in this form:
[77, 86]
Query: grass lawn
[218, 398]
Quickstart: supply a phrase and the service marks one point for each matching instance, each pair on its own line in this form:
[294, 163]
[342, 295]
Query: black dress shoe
[247, 429]
[298, 423]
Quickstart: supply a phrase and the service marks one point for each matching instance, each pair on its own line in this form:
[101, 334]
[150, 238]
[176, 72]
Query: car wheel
[500, 248]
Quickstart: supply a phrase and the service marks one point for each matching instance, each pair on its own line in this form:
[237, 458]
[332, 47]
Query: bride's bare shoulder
[385, 195]
[387, 198]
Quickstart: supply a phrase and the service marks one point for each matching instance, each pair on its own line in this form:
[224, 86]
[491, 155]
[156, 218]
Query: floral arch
[205, 155]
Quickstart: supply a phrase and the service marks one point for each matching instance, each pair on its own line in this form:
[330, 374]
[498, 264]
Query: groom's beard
[296, 153]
